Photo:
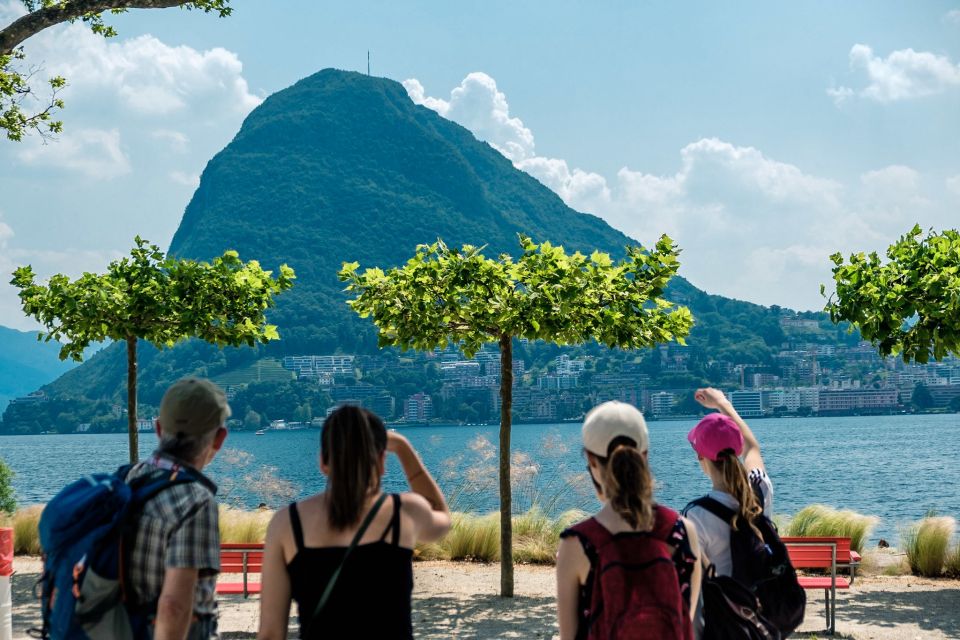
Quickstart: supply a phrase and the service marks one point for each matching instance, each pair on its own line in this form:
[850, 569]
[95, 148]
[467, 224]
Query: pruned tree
[16, 81]
[158, 299]
[8, 502]
[908, 304]
[445, 296]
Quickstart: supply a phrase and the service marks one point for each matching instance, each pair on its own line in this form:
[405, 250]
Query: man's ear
[156, 427]
[219, 438]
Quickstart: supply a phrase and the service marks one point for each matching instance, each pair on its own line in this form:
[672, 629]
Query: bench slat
[816, 582]
[236, 588]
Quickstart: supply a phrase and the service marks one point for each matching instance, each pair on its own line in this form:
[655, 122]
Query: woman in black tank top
[321, 540]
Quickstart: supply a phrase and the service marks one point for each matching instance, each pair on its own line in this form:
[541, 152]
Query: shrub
[536, 537]
[821, 520]
[26, 534]
[237, 525]
[952, 568]
[8, 504]
[926, 544]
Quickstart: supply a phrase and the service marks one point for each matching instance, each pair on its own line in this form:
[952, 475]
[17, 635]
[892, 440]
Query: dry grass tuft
[237, 525]
[26, 534]
[927, 545]
[821, 520]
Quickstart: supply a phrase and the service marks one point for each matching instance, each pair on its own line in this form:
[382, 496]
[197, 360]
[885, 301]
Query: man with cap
[175, 553]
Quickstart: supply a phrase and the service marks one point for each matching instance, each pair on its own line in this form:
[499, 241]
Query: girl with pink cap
[721, 440]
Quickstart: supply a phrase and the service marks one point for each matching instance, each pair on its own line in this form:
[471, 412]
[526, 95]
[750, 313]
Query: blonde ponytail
[628, 484]
[736, 483]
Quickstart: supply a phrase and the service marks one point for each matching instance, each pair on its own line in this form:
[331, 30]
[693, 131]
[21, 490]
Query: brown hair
[736, 483]
[628, 483]
[351, 443]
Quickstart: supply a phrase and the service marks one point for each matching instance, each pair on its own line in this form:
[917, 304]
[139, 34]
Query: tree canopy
[444, 295]
[18, 116]
[152, 297]
[909, 304]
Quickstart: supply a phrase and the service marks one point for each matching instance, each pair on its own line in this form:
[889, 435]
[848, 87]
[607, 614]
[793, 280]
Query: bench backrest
[812, 555]
[843, 544]
[241, 558]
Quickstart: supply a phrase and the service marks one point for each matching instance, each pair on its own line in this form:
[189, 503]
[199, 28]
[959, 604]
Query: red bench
[244, 559]
[847, 558]
[819, 555]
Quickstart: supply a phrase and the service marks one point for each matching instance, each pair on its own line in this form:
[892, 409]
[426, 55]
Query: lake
[895, 467]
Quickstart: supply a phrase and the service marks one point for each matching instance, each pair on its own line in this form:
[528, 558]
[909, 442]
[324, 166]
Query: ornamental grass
[927, 545]
[239, 526]
[473, 537]
[821, 520]
[952, 565]
[26, 534]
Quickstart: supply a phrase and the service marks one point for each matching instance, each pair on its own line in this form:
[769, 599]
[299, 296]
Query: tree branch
[35, 22]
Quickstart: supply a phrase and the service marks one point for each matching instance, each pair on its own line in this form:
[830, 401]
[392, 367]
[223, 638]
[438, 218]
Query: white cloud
[953, 184]
[186, 179]
[904, 74]
[45, 263]
[750, 226]
[5, 234]
[178, 141]
[139, 76]
[952, 16]
[94, 153]
[479, 106]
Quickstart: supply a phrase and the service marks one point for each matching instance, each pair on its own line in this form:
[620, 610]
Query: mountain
[343, 167]
[25, 364]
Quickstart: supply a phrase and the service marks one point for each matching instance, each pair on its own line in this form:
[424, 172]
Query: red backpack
[634, 589]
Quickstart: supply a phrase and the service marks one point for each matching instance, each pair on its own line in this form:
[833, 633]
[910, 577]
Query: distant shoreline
[417, 425]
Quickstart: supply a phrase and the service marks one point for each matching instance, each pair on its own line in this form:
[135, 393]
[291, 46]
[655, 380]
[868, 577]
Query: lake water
[895, 467]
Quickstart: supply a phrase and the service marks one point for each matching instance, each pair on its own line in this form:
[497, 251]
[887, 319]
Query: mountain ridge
[344, 167]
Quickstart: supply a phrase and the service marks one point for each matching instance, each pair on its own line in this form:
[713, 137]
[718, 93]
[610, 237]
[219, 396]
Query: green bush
[8, 504]
[927, 543]
[821, 520]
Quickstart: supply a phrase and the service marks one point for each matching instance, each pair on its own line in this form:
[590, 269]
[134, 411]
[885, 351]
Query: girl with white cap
[631, 570]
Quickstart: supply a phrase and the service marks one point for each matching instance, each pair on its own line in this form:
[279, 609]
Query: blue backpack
[85, 531]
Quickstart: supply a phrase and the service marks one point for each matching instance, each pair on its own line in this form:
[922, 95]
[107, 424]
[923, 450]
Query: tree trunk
[132, 398]
[506, 499]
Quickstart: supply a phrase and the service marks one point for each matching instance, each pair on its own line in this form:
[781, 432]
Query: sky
[762, 137]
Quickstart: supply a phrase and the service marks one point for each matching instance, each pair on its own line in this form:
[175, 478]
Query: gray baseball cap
[194, 407]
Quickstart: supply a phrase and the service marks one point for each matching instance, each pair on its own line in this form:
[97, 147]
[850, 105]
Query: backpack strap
[715, 507]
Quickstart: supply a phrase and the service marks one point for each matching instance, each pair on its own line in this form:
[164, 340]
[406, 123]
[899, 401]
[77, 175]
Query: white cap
[611, 420]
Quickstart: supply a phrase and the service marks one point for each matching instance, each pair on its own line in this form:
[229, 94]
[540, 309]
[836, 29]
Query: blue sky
[762, 136]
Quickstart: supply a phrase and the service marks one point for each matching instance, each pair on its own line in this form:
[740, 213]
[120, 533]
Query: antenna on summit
[368, 61]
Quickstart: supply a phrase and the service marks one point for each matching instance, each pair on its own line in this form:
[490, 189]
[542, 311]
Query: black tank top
[372, 596]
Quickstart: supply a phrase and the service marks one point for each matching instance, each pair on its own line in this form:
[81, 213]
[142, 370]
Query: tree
[8, 504]
[954, 404]
[909, 305]
[15, 82]
[445, 296]
[156, 298]
[921, 398]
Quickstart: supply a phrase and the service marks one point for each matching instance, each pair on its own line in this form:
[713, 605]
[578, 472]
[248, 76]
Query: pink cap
[716, 433]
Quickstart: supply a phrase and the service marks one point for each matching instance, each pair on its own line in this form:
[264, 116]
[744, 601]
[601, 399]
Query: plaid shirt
[178, 529]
